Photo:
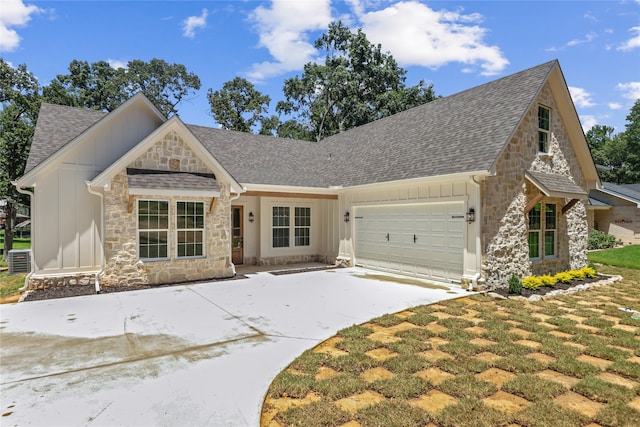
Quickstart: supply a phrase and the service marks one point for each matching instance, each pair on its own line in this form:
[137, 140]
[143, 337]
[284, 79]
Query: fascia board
[620, 196]
[29, 179]
[460, 176]
[160, 192]
[288, 189]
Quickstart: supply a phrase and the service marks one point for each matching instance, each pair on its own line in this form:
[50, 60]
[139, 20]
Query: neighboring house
[615, 209]
[22, 214]
[477, 186]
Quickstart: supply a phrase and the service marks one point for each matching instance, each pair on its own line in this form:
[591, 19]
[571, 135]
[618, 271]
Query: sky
[455, 45]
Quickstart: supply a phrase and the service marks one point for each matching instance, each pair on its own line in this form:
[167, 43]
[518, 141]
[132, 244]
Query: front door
[237, 235]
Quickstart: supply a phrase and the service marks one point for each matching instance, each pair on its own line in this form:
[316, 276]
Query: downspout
[33, 264]
[231, 199]
[102, 261]
[476, 276]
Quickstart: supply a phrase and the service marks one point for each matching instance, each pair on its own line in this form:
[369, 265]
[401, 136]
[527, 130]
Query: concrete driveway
[194, 355]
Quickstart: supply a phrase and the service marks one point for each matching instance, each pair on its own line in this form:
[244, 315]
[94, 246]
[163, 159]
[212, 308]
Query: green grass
[625, 257]
[10, 284]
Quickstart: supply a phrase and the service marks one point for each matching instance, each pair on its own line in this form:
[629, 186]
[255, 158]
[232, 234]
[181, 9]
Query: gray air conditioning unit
[19, 261]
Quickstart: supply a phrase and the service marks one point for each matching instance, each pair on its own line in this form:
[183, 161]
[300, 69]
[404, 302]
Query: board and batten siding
[66, 216]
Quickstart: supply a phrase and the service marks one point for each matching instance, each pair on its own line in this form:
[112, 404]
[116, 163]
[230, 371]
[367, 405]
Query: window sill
[183, 258]
[154, 259]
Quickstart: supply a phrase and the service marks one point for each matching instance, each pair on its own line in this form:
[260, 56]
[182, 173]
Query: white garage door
[425, 240]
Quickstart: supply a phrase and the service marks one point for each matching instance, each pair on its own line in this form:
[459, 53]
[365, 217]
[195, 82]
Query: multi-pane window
[544, 115]
[153, 229]
[302, 226]
[535, 226]
[190, 229]
[550, 230]
[281, 222]
[542, 231]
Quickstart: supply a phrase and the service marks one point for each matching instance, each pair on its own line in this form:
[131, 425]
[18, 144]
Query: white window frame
[542, 232]
[201, 230]
[153, 230]
[544, 131]
[280, 226]
[293, 226]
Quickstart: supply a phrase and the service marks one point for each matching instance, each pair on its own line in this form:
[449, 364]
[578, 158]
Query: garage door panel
[435, 252]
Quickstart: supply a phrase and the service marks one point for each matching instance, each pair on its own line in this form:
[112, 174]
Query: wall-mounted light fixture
[346, 216]
[251, 217]
[471, 215]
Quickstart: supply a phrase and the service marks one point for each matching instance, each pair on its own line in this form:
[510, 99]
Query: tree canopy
[240, 106]
[20, 101]
[356, 84]
[617, 157]
[102, 87]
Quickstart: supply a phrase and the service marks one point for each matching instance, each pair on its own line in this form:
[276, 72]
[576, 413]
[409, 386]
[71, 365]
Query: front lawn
[625, 257]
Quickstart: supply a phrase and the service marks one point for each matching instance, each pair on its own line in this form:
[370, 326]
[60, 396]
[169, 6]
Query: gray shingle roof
[628, 191]
[58, 125]
[464, 132]
[554, 183]
[171, 180]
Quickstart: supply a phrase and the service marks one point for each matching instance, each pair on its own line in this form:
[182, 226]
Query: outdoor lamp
[346, 216]
[471, 215]
[251, 217]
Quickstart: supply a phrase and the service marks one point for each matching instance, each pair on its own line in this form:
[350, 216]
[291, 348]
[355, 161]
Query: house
[469, 189]
[615, 209]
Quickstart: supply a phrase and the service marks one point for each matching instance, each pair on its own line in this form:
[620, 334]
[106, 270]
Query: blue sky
[453, 44]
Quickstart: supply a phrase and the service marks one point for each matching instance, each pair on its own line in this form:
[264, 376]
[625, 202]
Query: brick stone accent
[123, 266]
[505, 195]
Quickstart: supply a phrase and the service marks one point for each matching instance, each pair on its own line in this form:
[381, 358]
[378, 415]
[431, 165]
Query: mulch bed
[543, 290]
[81, 290]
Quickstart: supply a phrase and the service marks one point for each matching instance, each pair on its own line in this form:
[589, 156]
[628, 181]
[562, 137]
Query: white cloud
[116, 63]
[14, 13]
[418, 35]
[633, 42]
[194, 22]
[587, 38]
[588, 122]
[581, 97]
[614, 105]
[411, 31]
[630, 90]
[284, 31]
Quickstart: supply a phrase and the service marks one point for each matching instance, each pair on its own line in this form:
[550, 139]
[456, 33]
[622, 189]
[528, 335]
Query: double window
[543, 221]
[154, 229]
[544, 126]
[283, 228]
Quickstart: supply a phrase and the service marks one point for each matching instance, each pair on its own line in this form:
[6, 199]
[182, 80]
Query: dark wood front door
[237, 235]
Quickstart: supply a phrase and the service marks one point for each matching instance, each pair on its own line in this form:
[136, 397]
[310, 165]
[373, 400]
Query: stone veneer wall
[505, 228]
[121, 250]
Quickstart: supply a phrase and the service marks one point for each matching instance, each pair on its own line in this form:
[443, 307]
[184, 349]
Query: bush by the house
[600, 240]
[564, 277]
[515, 285]
[548, 280]
[531, 282]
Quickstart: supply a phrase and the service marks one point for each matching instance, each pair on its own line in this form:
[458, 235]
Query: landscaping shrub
[576, 274]
[548, 280]
[600, 240]
[515, 285]
[531, 282]
[589, 272]
[564, 277]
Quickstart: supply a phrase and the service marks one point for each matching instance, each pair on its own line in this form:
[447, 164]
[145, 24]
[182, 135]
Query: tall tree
[20, 101]
[240, 106]
[102, 87]
[632, 142]
[357, 84]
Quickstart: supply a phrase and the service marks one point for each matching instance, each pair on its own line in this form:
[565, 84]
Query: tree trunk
[9, 214]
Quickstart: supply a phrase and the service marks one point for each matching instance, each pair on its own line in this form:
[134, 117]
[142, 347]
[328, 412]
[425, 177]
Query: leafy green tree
[239, 106]
[608, 152]
[20, 101]
[99, 86]
[632, 142]
[356, 84]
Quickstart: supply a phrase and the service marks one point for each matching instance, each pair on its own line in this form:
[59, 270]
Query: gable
[76, 138]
